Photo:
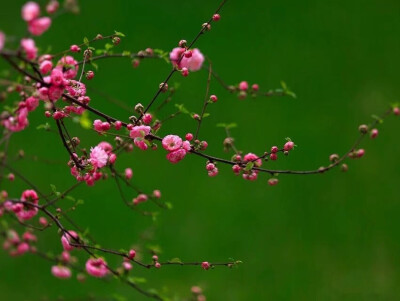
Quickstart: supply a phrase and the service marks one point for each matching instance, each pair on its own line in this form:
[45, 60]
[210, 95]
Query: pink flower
[171, 142]
[61, 272]
[31, 103]
[141, 143]
[57, 77]
[55, 93]
[76, 88]
[139, 131]
[27, 211]
[96, 267]
[45, 66]
[205, 265]
[52, 7]
[70, 65]
[243, 85]
[157, 194]
[127, 266]
[252, 157]
[288, 146]
[22, 248]
[147, 118]
[38, 26]
[30, 11]
[66, 239]
[2, 40]
[128, 173]
[192, 63]
[176, 156]
[106, 146]
[140, 199]
[17, 123]
[98, 157]
[28, 45]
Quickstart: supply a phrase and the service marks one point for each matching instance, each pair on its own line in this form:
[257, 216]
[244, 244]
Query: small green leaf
[86, 41]
[175, 260]
[249, 166]
[119, 34]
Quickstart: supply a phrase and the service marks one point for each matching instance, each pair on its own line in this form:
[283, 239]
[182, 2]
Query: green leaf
[86, 41]
[206, 115]
[85, 121]
[53, 188]
[182, 108]
[126, 53]
[119, 34]
[137, 280]
[249, 166]
[175, 260]
[45, 127]
[377, 118]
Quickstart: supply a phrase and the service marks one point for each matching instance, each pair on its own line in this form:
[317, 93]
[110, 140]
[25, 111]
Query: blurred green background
[321, 237]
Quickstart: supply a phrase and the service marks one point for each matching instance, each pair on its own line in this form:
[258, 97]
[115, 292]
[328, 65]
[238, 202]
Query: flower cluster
[177, 149]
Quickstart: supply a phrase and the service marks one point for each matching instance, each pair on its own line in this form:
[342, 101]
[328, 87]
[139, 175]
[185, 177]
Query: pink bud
[30, 11]
[243, 86]
[213, 98]
[216, 17]
[205, 265]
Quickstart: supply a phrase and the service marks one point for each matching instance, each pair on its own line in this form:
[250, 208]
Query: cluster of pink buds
[140, 199]
[211, 169]
[17, 246]
[31, 14]
[26, 208]
[157, 264]
[177, 149]
[243, 88]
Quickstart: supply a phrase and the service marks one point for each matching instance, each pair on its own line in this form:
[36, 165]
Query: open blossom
[61, 272]
[139, 131]
[252, 157]
[96, 267]
[30, 11]
[98, 157]
[69, 66]
[171, 142]
[176, 156]
[76, 88]
[45, 66]
[29, 47]
[38, 26]
[2, 40]
[66, 239]
[193, 63]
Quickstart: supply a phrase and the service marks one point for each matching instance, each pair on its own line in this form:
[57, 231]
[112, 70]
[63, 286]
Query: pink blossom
[31, 103]
[76, 88]
[140, 199]
[66, 239]
[28, 236]
[45, 67]
[176, 156]
[22, 248]
[70, 65]
[38, 26]
[96, 267]
[288, 146]
[52, 7]
[55, 93]
[98, 156]
[141, 143]
[128, 173]
[147, 118]
[205, 265]
[157, 194]
[30, 11]
[57, 77]
[27, 211]
[192, 63]
[139, 131]
[252, 157]
[127, 265]
[106, 146]
[2, 40]
[243, 85]
[171, 142]
[17, 123]
[28, 45]
[61, 272]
